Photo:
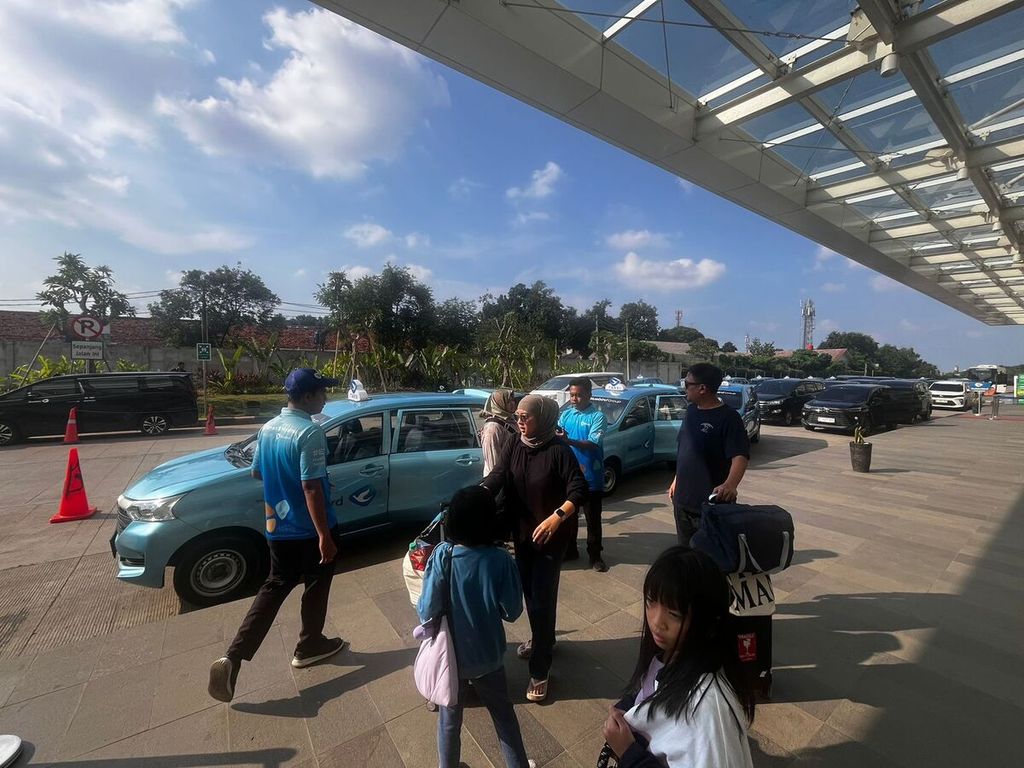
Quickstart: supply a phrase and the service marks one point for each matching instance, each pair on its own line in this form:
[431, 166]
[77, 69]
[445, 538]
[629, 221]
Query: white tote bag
[436, 669]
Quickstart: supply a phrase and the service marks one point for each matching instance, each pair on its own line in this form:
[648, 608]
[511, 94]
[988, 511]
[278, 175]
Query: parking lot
[897, 640]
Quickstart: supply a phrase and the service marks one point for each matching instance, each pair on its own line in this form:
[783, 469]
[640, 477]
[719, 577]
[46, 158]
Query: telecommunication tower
[679, 317]
[807, 318]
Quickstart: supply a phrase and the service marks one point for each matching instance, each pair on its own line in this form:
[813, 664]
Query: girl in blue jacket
[484, 590]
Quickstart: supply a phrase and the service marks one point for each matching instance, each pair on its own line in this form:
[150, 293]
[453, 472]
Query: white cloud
[462, 188]
[542, 183]
[344, 98]
[907, 325]
[633, 239]
[525, 218]
[417, 240]
[678, 274]
[355, 271]
[301, 272]
[367, 234]
[686, 186]
[884, 284]
[823, 255]
[421, 273]
[151, 21]
[833, 287]
[116, 184]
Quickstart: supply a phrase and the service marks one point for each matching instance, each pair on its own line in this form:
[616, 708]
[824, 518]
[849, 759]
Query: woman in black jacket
[543, 486]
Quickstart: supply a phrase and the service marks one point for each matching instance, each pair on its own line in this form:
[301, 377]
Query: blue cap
[302, 381]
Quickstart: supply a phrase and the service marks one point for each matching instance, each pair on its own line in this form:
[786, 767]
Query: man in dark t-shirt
[713, 450]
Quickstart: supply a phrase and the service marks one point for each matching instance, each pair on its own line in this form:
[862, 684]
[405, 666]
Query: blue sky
[163, 135]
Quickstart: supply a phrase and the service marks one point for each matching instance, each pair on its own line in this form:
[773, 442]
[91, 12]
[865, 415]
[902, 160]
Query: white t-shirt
[709, 738]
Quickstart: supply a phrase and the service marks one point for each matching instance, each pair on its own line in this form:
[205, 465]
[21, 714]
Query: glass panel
[862, 90]
[436, 431]
[948, 194]
[805, 17]
[359, 438]
[991, 92]
[882, 206]
[54, 388]
[1010, 180]
[815, 152]
[113, 384]
[615, 7]
[779, 122]
[979, 44]
[895, 128]
[700, 60]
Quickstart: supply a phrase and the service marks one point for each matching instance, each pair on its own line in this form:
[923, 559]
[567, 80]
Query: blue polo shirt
[587, 425]
[289, 449]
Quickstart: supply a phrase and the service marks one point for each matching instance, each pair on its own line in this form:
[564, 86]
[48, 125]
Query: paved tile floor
[897, 642]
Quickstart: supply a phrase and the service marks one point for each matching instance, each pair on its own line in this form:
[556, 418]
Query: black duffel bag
[744, 538]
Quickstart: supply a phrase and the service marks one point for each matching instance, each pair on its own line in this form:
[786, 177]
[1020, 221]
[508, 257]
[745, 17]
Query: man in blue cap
[301, 530]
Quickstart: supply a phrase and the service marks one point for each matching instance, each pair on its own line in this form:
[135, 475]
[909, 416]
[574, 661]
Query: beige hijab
[501, 404]
[545, 414]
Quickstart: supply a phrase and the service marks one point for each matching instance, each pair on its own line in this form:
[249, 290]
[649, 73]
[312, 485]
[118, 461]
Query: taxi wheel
[220, 568]
[153, 424]
[8, 433]
[611, 476]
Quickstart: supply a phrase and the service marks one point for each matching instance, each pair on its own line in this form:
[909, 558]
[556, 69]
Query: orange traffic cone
[71, 430]
[74, 505]
[211, 426]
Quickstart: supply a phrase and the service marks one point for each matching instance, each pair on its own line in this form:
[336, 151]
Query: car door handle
[88, 399]
[647, 444]
[465, 461]
[372, 470]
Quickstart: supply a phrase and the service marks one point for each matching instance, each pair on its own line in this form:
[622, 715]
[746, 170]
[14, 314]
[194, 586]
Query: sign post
[86, 350]
[203, 354]
[89, 329]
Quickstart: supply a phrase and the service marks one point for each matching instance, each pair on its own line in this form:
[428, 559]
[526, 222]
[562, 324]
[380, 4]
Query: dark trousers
[687, 521]
[539, 572]
[592, 512]
[291, 561]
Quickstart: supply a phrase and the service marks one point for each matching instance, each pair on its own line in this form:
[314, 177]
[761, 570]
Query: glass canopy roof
[863, 121]
[891, 131]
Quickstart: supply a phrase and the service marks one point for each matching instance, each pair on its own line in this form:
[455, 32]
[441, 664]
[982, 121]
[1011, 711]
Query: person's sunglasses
[689, 384]
[522, 417]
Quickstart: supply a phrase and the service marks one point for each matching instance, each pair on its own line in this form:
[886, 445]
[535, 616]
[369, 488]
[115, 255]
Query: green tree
[704, 349]
[333, 295]
[89, 290]
[729, 347]
[680, 333]
[456, 324]
[809, 362]
[761, 350]
[861, 343]
[903, 362]
[226, 299]
[536, 306]
[642, 319]
[396, 307]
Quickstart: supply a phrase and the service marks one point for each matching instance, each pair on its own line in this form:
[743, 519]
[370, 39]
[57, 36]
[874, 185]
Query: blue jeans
[492, 689]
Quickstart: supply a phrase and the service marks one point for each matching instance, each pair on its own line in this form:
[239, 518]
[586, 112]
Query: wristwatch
[560, 512]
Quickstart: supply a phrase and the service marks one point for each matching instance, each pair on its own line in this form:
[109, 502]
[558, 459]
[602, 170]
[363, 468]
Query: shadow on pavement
[265, 758]
[774, 447]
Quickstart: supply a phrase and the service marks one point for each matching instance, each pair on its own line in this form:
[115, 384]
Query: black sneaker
[223, 673]
[598, 565]
[322, 649]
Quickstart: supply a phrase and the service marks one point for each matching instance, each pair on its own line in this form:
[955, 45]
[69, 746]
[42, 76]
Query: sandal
[525, 650]
[537, 690]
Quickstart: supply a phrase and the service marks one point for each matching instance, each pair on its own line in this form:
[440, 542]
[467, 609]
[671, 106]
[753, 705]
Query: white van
[557, 388]
[953, 394]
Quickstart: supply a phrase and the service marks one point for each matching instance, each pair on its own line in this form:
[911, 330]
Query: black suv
[846, 405]
[919, 387]
[106, 402]
[783, 400]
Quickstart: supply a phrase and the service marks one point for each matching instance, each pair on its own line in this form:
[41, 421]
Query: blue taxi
[642, 427]
[743, 399]
[391, 459]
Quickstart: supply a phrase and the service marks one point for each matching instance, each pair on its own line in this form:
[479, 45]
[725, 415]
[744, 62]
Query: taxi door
[357, 468]
[668, 420]
[637, 434]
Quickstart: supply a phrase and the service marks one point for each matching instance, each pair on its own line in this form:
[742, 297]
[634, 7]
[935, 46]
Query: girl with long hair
[686, 705]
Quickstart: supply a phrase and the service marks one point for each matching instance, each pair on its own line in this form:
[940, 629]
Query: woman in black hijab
[543, 487]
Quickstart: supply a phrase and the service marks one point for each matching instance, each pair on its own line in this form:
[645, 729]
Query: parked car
[743, 399]
[645, 380]
[954, 394]
[151, 402]
[846, 405]
[783, 400]
[918, 386]
[557, 387]
[391, 459]
[735, 380]
[642, 428]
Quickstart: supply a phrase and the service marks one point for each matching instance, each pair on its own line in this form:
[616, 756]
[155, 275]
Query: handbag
[743, 538]
[436, 669]
[415, 560]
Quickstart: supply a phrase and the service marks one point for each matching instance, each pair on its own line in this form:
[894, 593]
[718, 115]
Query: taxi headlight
[149, 510]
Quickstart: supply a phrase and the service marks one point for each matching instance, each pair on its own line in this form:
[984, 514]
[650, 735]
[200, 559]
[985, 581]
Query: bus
[985, 376]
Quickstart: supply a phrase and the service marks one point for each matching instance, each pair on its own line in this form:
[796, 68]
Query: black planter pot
[860, 457]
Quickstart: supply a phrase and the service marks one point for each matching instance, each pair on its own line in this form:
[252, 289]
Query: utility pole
[679, 317]
[206, 338]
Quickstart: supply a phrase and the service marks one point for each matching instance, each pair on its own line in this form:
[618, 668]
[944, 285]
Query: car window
[733, 399]
[54, 388]
[436, 430]
[164, 383]
[671, 408]
[557, 383]
[355, 439]
[639, 414]
[120, 385]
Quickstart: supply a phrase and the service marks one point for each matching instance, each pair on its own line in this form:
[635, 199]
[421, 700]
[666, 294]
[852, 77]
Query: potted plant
[860, 451]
